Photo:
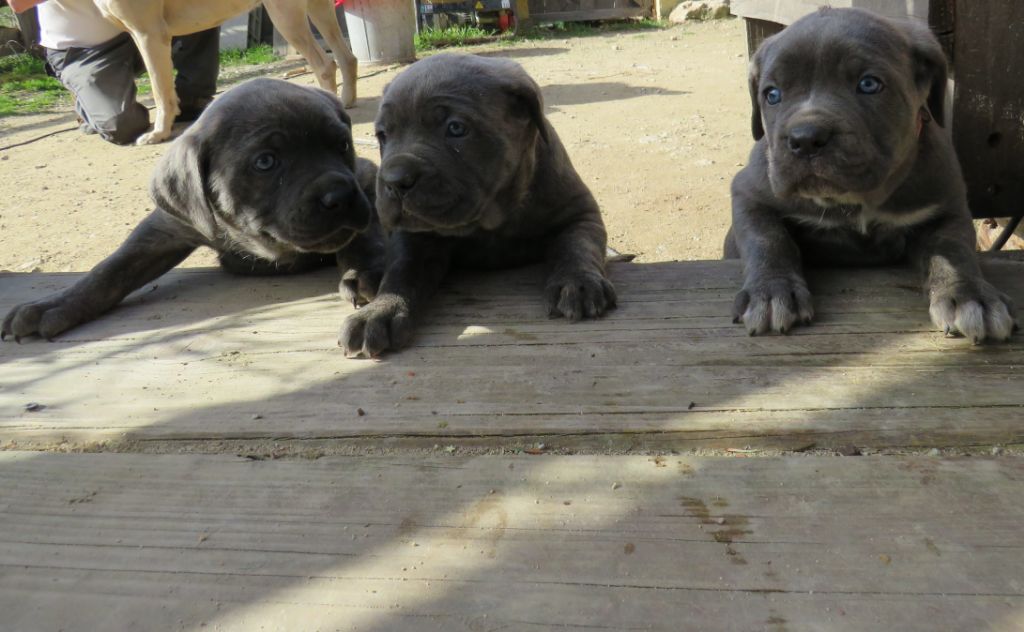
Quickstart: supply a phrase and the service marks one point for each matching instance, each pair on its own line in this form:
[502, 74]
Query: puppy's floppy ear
[526, 97]
[180, 184]
[754, 82]
[930, 68]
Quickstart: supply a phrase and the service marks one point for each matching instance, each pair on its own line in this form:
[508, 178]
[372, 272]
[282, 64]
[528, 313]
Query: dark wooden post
[988, 105]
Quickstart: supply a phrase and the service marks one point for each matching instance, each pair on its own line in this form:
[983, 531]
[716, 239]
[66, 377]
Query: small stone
[360, 412]
[34, 407]
[934, 452]
[615, 486]
[848, 450]
[997, 450]
[691, 10]
[256, 416]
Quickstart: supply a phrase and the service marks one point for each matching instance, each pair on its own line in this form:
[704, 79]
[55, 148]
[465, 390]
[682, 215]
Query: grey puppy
[473, 174]
[852, 166]
[267, 177]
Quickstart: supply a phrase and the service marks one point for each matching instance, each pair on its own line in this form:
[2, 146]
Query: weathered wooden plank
[111, 542]
[208, 357]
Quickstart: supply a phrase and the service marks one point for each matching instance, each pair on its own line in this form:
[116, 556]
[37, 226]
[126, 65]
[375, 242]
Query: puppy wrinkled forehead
[834, 38]
[263, 101]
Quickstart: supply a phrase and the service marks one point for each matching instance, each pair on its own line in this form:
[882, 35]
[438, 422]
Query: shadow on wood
[227, 361]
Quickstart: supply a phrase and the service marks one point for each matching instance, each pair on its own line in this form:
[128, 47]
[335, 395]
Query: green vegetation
[25, 88]
[261, 54]
[459, 35]
[465, 35]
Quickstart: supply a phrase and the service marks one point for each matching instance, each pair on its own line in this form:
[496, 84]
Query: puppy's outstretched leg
[155, 246]
[961, 300]
[775, 296]
[577, 286]
[416, 263]
[326, 21]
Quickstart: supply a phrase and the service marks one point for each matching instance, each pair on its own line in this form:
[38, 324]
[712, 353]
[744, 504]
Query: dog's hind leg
[291, 20]
[155, 48]
[326, 21]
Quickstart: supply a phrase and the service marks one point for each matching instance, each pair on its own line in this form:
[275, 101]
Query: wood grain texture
[460, 544]
[988, 105]
[207, 357]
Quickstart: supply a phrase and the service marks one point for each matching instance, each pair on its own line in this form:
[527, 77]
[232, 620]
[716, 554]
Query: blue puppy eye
[772, 96]
[265, 161]
[456, 129]
[870, 85]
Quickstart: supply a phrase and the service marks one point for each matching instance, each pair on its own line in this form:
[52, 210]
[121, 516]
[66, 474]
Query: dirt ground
[656, 122]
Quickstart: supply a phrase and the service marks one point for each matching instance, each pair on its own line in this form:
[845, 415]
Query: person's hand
[23, 5]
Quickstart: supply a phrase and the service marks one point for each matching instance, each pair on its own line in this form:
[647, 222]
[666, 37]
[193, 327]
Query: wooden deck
[246, 474]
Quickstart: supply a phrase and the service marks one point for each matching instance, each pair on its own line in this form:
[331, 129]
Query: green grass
[25, 87]
[590, 29]
[460, 35]
[464, 35]
[262, 54]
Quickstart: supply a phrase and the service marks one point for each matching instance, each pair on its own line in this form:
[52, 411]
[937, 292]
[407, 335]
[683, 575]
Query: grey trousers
[102, 78]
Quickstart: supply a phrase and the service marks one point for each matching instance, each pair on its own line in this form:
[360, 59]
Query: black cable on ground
[1006, 234]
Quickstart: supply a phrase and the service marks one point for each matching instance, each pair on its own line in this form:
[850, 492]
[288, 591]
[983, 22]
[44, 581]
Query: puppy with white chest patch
[852, 166]
[472, 174]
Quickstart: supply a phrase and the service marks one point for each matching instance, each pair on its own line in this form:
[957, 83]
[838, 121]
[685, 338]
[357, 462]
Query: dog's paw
[45, 318]
[153, 138]
[359, 287]
[580, 295]
[774, 304]
[975, 310]
[381, 324]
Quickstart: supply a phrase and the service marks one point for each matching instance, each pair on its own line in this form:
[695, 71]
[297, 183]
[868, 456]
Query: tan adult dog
[152, 23]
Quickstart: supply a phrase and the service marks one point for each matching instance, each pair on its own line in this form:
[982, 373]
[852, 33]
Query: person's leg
[197, 60]
[102, 78]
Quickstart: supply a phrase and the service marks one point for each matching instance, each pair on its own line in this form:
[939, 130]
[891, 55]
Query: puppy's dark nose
[336, 197]
[808, 140]
[399, 178]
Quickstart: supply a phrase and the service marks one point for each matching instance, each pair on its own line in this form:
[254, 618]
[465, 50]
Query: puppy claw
[773, 305]
[975, 310]
[575, 297]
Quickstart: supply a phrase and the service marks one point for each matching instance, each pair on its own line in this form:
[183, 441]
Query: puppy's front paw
[773, 304]
[583, 294]
[381, 324]
[359, 287]
[46, 318]
[975, 309]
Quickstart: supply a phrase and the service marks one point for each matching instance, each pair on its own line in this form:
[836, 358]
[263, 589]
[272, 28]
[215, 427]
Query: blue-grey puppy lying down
[852, 166]
[473, 175]
[268, 178]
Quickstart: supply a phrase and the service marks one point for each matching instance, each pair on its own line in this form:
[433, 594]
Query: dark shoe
[192, 108]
